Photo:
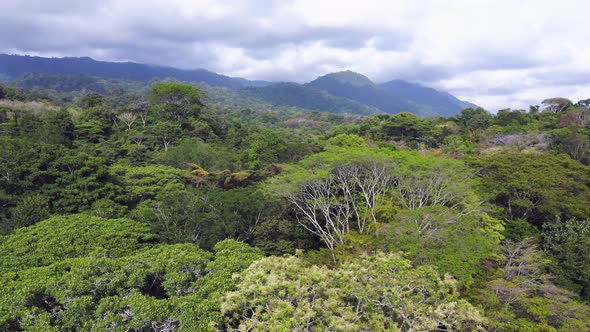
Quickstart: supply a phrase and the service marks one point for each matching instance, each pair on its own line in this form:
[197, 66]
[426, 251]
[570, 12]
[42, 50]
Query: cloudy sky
[495, 53]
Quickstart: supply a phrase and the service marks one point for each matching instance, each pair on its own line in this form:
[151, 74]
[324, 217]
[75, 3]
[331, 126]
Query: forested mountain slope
[342, 92]
[391, 97]
[15, 66]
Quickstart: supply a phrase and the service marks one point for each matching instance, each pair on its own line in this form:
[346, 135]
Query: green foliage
[475, 118]
[279, 236]
[192, 173]
[263, 148]
[381, 292]
[10, 93]
[429, 203]
[57, 238]
[81, 180]
[202, 217]
[522, 296]
[176, 101]
[574, 141]
[30, 210]
[405, 126]
[147, 182]
[345, 140]
[569, 243]
[57, 128]
[519, 229]
[23, 173]
[164, 134]
[166, 286]
[536, 186]
[92, 100]
[443, 237]
[207, 155]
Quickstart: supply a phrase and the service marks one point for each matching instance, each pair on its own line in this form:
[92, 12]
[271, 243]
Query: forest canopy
[153, 207]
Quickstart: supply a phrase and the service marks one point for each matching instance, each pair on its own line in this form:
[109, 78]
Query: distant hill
[341, 92]
[15, 66]
[391, 97]
[357, 87]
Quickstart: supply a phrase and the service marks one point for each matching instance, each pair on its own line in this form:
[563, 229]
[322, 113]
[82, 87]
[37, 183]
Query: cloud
[498, 53]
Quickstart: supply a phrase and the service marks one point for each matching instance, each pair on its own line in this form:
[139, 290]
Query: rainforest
[164, 206]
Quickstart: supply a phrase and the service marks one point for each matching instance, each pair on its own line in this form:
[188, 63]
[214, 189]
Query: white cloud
[500, 53]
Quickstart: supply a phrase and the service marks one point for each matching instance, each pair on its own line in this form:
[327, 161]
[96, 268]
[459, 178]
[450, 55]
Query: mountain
[425, 98]
[341, 92]
[15, 66]
[280, 95]
[392, 97]
[357, 87]
[301, 96]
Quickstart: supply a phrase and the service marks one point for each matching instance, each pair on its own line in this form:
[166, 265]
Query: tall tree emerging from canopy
[340, 194]
[176, 101]
[557, 104]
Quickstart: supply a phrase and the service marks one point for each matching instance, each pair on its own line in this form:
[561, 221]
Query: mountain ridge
[338, 92]
[15, 66]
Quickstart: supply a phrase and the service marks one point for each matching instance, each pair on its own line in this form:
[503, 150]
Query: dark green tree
[176, 101]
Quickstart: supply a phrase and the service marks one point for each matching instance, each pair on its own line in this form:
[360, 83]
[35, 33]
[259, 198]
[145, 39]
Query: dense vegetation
[149, 207]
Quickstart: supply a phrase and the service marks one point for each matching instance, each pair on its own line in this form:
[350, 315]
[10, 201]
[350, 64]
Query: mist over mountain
[340, 92]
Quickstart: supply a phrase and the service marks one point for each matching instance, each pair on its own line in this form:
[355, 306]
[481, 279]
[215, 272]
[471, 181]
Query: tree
[24, 169]
[405, 126]
[508, 117]
[105, 282]
[423, 182]
[141, 109]
[346, 140]
[557, 104]
[92, 100]
[147, 182]
[30, 210]
[584, 103]
[575, 117]
[80, 180]
[441, 237]
[127, 118]
[569, 242]
[475, 118]
[574, 141]
[337, 191]
[264, 147]
[536, 186]
[61, 237]
[370, 293]
[58, 128]
[164, 133]
[523, 297]
[9, 93]
[176, 101]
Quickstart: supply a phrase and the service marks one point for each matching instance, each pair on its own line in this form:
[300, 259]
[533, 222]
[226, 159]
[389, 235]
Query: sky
[497, 54]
